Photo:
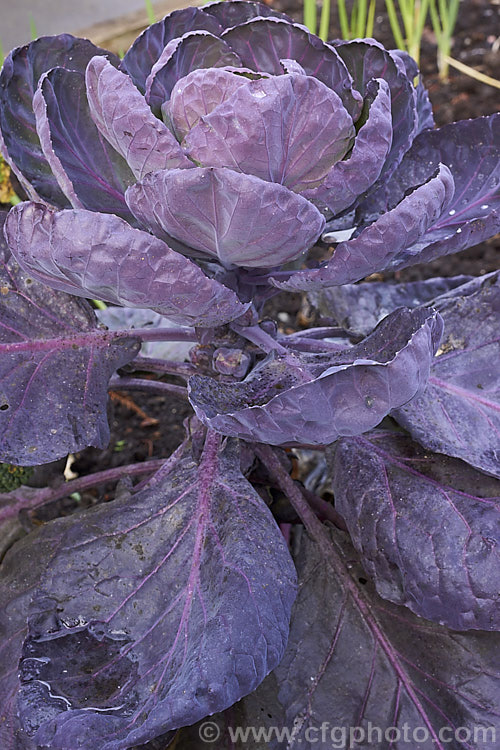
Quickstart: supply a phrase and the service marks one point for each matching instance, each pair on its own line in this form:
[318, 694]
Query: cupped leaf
[231, 13]
[20, 74]
[471, 151]
[126, 122]
[262, 43]
[359, 307]
[157, 609]
[197, 94]
[392, 236]
[459, 413]
[55, 365]
[287, 129]
[296, 399]
[196, 49]
[351, 178]
[90, 172]
[366, 60]
[101, 256]
[359, 671]
[148, 47]
[423, 103]
[427, 527]
[237, 218]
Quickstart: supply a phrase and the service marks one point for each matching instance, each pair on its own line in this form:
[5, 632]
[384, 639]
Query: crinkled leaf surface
[294, 399]
[367, 60]
[262, 43]
[426, 525]
[359, 307]
[287, 129]
[237, 218]
[101, 256]
[471, 151]
[90, 172]
[196, 49]
[125, 120]
[459, 413]
[20, 74]
[148, 47]
[349, 179]
[54, 370]
[354, 660]
[197, 94]
[376, 247]
[157, 609]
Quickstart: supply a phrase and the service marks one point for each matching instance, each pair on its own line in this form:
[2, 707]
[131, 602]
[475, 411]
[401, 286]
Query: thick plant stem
[136, 384]
[49, 494]
[306, 514]
[160, 334]
[184, 369]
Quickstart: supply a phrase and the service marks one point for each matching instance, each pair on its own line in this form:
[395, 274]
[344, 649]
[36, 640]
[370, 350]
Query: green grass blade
[33, 31]
[343, 20]
[395, 27]
[310, 15]
[324, 24]
[150, 12]
[370, 23]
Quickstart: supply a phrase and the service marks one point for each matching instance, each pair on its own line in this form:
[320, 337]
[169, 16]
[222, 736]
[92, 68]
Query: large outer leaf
[262, 43]
[367, 60]
[355, 661]
[392, 235]
[288, 129]
[196, 49]
[471, 150]
[20, 74]
[459, 413]
[349, 179]
[148, 47]
[359, 307]
[237, 218]
[157, 610]
[287, 401]
[20, 573]
[427, 528]
[90, 172]
[125, 120]
[54, 370]
[100, 255]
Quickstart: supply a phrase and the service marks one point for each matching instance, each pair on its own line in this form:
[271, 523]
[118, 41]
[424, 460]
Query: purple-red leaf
[197, 94]
[18, 81]
[361, 668]
[54, 370]
[427, 527]
[314, 399]
[459, 413]
[359, 307]
[196, 49]
[349, 179]
[101, 256]
[148, 47]
[367, 60]
[392, 236]
[125, 120]
[90, 172]
[289, 129]
[237, 218]
[262, 43]
[162, 607]
[233, 12]
[471, 151]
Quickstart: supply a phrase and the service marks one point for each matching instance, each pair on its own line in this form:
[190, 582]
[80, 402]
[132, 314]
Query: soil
[150, 426]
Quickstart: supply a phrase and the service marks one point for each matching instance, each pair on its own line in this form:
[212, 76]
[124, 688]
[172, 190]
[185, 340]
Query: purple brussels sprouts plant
[183, 186]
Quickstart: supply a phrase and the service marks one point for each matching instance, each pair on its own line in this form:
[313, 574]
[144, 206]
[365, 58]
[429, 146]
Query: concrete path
[74, 16]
